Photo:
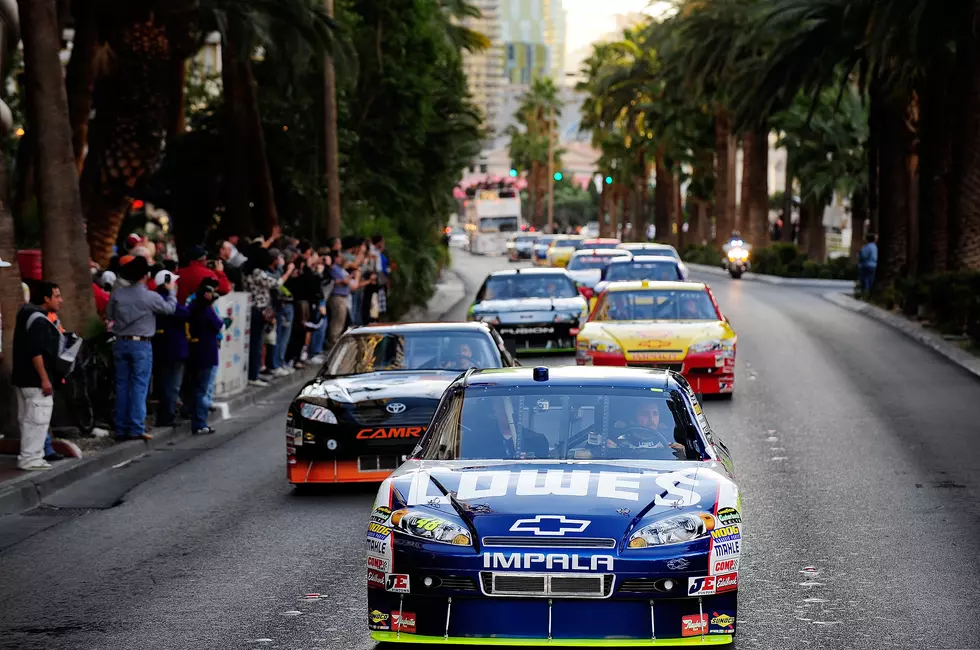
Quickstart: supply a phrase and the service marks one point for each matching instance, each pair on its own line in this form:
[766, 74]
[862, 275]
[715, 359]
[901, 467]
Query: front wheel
[735, 273]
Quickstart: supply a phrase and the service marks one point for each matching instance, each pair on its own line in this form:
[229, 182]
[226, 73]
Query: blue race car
[565, 506]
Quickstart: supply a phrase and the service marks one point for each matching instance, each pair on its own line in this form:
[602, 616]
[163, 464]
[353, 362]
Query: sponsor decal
[375, 577]
[675, 488]
[725, 550]
[656, 356]
[403, 622]
[398, 583]
[724, 621]
[378, 563]
[378, 545]
[385, 433]
[517, 331]
[729, 516]
[378, 531]
[726, 533]
[694, 625]
[654, 344]
[331, 444]
[724, 566]
[381, 514]
[678, 564]
[550, 525]
[726, 582]
[378, 620]
[548, 561]
[308, 436]
[704, 586]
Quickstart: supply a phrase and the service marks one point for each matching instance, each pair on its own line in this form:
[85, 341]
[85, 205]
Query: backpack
[69, 345]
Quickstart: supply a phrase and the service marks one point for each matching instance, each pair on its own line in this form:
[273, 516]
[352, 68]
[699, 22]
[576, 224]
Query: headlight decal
[317, 413]
[676, 529]
[430, 527]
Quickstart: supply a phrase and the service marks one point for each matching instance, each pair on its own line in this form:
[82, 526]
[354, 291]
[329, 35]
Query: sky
[589, 20]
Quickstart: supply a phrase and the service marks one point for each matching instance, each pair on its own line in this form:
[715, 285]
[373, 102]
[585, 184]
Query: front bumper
[709, 373]
[411, 618]
[335, 471]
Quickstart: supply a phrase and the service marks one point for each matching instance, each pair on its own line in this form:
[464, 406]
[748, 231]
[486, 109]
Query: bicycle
[91, 386]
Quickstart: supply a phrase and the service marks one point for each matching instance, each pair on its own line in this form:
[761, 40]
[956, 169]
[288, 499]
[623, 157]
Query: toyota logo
[395, 408]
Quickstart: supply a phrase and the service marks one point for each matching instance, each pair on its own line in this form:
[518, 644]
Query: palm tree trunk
[935, 129]
[912, 173]
[330, 139]
[679, 211]
[126, 136]
[757, 223]
[236, 185]
[80, 76]
[723, 217]
[742, 221]
[661, 200]
[859, 213]
[259, 155]
[964, 226]
[806, 217]
[65, 256]
[816, 239]
[893, 219]
[11, 298]
[786, 234]
[876, 103]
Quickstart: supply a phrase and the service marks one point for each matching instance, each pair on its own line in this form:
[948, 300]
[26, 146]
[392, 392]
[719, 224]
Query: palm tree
[536, 117]
[65, 256]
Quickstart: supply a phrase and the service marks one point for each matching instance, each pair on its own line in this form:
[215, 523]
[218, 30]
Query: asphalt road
[857, 456]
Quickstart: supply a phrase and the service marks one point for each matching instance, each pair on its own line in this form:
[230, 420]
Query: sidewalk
[912, 329]
[20, 491]
[773, 279]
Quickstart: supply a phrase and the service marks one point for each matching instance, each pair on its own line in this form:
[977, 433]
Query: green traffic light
[513, 173]
[608, 180]
[558, 176]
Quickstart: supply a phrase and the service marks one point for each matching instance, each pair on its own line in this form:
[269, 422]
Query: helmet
[736, 233]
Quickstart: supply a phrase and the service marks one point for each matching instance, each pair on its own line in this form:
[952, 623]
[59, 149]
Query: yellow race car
[562, 250]
[672, 325]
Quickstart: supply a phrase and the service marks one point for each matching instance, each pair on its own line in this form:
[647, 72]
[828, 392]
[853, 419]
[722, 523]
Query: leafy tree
[536, 117]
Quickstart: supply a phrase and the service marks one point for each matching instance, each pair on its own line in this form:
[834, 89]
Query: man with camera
[196, 270]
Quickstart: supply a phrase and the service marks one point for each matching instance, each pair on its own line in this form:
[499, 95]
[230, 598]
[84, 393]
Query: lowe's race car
[534, 310]
[561, 506]
[371, 403]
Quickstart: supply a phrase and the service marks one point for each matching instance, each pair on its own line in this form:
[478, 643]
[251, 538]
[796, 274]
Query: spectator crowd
[167, 332]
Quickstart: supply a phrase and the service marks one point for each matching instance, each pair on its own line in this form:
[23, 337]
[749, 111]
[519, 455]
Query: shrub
[701, 254]
[951, 301]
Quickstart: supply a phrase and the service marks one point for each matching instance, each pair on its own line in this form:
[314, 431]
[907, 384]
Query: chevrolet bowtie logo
[550, 525]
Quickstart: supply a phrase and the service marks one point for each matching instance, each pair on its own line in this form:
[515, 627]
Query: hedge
[780, 259]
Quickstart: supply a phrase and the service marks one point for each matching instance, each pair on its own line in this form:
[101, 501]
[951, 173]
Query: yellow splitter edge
[394, 637]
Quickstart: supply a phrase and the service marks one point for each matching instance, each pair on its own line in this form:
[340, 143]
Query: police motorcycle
[736, 260]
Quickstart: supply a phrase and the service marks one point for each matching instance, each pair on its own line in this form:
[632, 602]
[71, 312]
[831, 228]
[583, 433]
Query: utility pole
[551, 169]
[330, 139]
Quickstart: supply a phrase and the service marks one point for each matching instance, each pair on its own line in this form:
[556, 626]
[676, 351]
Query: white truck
[494, 216]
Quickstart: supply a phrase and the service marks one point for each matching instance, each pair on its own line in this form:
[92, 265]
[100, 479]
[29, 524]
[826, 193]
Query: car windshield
[625, 272]
[524, 239]
[585, 262]
[517, 286]
[656, 304]
[359, 353]
[563, 422]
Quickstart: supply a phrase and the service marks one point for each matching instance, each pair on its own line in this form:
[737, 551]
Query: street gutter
[774, 279]
[910, 328]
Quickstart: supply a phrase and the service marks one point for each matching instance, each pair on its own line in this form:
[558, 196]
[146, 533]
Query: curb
[772, 279]
[422, 314]
[913, 330]
[29, 491]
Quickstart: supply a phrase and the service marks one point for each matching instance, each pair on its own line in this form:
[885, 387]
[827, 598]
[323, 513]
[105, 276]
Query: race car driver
[462, 358]
[646, 430]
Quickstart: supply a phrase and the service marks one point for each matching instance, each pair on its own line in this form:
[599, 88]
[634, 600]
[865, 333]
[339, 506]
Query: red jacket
[191, 277]
[101, 298]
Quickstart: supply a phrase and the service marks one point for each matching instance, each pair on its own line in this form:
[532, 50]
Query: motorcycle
[737, 261]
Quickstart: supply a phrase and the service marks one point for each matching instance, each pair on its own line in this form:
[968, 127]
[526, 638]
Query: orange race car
[373, 399]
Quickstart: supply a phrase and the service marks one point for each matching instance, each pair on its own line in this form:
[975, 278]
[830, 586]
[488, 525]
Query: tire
[727, 397]
[735, 274]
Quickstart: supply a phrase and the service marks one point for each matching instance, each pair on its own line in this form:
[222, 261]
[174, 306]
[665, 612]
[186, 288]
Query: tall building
[485, 70]
[533, 33]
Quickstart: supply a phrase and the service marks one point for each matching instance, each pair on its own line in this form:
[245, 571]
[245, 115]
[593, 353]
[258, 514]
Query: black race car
[373, 399]
[537, 309]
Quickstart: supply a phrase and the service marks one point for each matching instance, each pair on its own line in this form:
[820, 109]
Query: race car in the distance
[520, 247]
[539, 252]
[672, 325]
[373, 398]
[565, 506]
[653, 248]
[537, 310]
[561, 250]
[587, 265]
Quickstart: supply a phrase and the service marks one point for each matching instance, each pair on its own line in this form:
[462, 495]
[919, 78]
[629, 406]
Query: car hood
[528, 304]
[635, 335]
[379, 386]
[545, 498]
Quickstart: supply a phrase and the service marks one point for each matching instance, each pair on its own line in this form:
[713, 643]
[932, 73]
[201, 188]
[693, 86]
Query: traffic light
[513, 173]
[558, 176]
[608, 180]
